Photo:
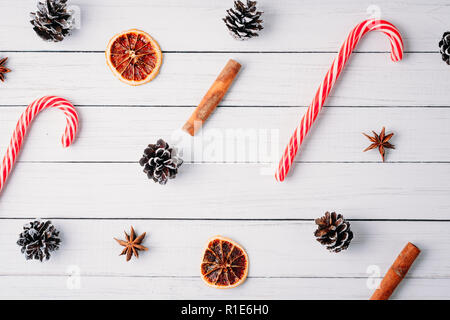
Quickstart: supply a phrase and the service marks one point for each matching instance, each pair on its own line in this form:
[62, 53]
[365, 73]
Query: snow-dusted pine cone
[444, 46]
[38, 239]
[52, 21]
[333, 231]
[243, 21]
[160, 162]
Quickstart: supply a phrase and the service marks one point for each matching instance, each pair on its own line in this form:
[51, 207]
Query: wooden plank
[358, 190]
[276, 249]
[234, 134]
[197, 24]
[272, 79]
[23, 287]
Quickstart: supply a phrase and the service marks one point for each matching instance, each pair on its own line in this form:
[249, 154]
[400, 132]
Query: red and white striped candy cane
[333, 73]
[24, 121]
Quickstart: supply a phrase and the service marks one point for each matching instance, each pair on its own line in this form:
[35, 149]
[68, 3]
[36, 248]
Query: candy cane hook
[333, 73]
[24, 122]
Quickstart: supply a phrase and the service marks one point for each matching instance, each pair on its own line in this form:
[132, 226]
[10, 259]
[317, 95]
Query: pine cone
[160, 162]
[333, 231]
[444, 45]
[39, 239]
[52, 21]
[244, 21]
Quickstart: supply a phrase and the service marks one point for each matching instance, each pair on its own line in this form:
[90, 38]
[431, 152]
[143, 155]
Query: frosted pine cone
[444, 46]
[52, 21]
[333, 231]
[160, 162]
[38, 239]
[243, 21]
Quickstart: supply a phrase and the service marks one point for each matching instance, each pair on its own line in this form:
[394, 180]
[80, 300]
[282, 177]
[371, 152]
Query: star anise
[132, 244]
[3, 69]
[380, 141]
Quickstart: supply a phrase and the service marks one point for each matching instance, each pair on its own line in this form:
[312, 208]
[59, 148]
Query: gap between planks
[143, 106]
[32, 275]
[221, 219]
[216, 51]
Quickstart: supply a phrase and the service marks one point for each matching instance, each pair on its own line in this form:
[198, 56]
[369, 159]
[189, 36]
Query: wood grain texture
[120, 190]
[272, 79]
[276, 249]
[234, 135]
[195, 25]
[99, 177]
[57, 287]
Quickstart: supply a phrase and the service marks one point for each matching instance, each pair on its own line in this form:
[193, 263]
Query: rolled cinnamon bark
[396, 272]
[213, 97]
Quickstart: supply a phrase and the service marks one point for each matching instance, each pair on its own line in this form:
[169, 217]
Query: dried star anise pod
[132, 244]
[380, 141]
[3, 69]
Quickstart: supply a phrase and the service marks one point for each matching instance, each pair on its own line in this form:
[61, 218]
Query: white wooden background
[95, 189]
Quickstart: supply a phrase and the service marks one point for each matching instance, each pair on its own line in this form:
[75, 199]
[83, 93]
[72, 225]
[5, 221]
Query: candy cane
[22, 126]
[333, 73]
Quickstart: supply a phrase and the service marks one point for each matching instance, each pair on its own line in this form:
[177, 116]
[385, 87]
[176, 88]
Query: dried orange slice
[225, 263]
[134, 57]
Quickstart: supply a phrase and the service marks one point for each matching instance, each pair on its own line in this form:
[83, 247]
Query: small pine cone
[52, 21]
[444, 46]
[38, 239]
[243, 21]
[160, 162]
[333, 231]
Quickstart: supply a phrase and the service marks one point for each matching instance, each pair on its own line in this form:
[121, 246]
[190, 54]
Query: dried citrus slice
[134, 57]
[224, 264]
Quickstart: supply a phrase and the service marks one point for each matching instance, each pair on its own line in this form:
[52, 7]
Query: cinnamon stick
[213, 97]
[396, 272]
